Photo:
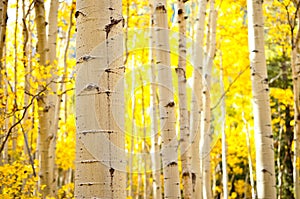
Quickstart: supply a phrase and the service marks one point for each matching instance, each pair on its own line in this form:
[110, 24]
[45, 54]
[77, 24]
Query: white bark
[185, 149]
[44, 116]
[265, 172]
[54, 109]
[224, 140]
[166, 104]
[155, 146]
[205, 135]
[100, 153]
[253, 192]
[196, 104]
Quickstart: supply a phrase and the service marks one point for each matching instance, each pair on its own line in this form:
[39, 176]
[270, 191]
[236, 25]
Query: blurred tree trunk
[52, 97]
[155, 146]
[100, 152]
[3, 24]
[223, 131]
[295, 63]
[205, 134]
[265, 172]
[253, 189]
[196, 104]
[43, 110]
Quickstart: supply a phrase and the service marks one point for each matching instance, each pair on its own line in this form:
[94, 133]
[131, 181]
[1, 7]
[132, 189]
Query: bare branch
[228, 88]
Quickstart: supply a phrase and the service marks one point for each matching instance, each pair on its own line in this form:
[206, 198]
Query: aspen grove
[155, 99]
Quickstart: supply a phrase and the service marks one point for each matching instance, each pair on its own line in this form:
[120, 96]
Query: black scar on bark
[170, 104]
[161, 7]
[113, 22]
[173, 164]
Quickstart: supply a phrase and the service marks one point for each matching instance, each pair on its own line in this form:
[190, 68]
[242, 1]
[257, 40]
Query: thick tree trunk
[185, 147]
[265, 172]
[166, 103]
[100, 153]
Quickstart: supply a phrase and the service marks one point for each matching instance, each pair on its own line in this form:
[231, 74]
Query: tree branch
[228, 88]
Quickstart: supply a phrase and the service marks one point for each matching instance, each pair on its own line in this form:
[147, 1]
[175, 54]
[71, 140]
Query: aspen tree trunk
[100, 153]
[52, 98]
[14, 135]
[196, 103]
[253, 192]
[3, 23]
[60, 93]
[166, 103]
[205, 135]
[295, 63]
[43, 110]
[26, 65]
[265, 172]
[223, 131]
[155, 146]
[184, 120]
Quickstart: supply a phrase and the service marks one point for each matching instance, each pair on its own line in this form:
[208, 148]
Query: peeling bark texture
[185, 146]
[196, 103]
[265, 172]
[100, 115]
[166, 100]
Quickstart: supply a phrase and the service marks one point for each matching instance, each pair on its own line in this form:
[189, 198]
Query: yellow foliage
[17, 180]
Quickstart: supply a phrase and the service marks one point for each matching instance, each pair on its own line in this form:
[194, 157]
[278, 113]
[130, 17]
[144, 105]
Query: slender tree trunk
[14, 135]
[223, 131]
[166, 103]
[253, 190]
[265, 172]
[100, 153]
[52, 98]
[205, 134]
[3, 23]
[185, 147]
[155, 146]
[295, 63]
[44, 117]
[196, 104]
